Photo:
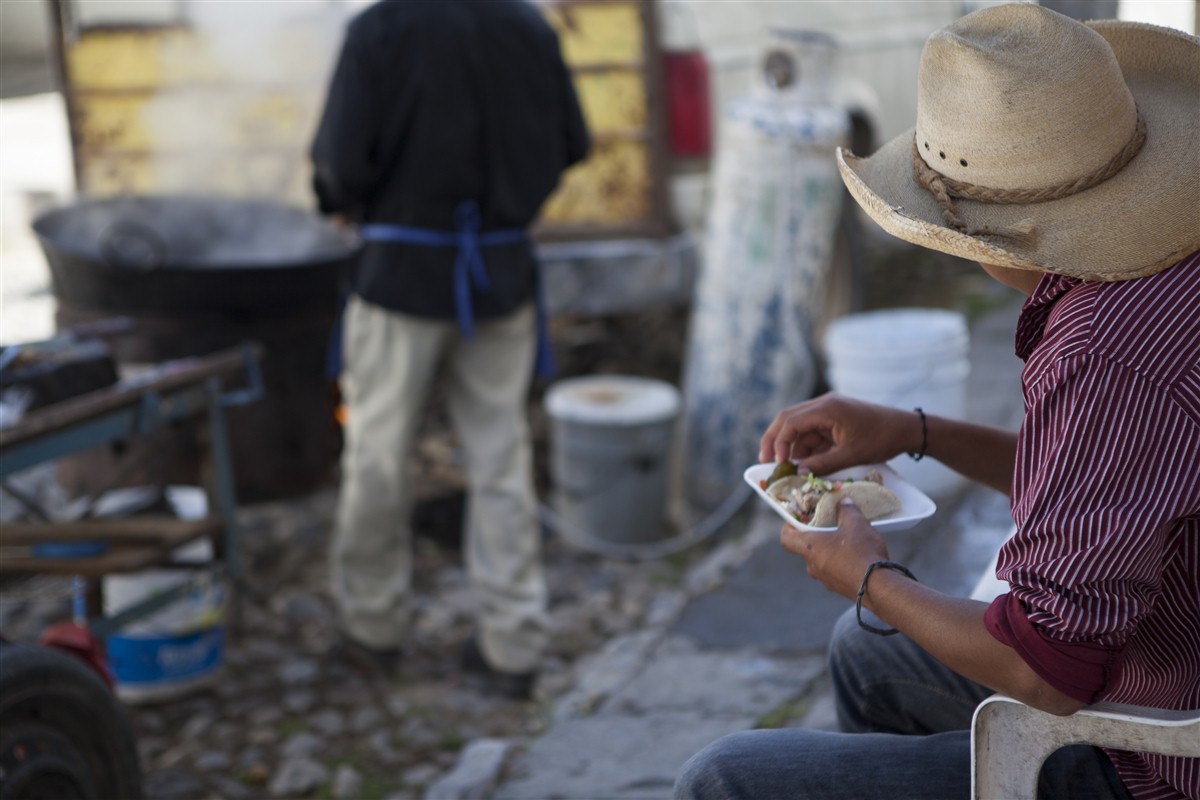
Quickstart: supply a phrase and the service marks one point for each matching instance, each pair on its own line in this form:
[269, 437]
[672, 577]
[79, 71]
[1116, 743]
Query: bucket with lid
[610, 449]
[905, 358]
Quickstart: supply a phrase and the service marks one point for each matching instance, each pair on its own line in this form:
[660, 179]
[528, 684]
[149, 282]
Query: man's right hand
[832, 432]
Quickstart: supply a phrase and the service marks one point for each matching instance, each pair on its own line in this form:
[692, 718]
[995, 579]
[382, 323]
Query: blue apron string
[468, 266]
[469, 269]
[333, 355]
[544, 365]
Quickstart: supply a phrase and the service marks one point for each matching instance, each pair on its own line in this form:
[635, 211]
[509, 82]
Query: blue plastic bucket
[180, 647]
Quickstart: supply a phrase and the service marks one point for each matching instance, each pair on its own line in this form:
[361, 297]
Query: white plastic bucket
[179, 648]
[905, 358]
[610, 448]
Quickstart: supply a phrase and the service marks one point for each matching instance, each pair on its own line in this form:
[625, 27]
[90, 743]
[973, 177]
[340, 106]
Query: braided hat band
[944, 189]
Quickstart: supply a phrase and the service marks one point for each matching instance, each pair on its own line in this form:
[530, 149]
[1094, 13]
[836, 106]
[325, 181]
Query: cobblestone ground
[289, 715]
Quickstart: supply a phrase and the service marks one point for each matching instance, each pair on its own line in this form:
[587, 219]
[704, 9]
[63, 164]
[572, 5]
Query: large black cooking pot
[192, 254]
[196, 275]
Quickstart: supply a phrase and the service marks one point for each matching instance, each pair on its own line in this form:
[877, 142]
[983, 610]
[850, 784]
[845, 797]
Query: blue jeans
[907, 723]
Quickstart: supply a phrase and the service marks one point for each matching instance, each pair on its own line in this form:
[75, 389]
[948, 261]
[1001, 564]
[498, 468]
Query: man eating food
[1063, 157]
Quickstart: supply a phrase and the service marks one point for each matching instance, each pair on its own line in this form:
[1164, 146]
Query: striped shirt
[1104, 569]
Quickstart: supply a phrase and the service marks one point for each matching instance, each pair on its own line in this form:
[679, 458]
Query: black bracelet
[924, 436]
[862, 589]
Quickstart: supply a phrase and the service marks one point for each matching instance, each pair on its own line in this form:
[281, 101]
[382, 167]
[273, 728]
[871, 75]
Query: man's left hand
[838, 559]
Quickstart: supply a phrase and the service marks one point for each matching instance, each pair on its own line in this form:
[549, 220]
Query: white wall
[1179, 14]
[24, 29]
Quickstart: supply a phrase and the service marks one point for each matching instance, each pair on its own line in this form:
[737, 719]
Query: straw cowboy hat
[1046, 144]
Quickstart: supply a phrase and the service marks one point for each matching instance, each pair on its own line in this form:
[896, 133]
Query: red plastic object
[73, 638]
[689, 104]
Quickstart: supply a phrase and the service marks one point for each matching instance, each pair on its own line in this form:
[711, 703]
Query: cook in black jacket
[446, 127]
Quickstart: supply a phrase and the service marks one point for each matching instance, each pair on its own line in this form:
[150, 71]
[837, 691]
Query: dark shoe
[513, 685]
[366, 657]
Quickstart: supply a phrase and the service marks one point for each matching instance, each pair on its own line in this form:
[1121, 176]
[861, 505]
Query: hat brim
[1138, 222]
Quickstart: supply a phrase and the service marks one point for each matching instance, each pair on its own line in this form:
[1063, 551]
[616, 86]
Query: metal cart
[183, 392]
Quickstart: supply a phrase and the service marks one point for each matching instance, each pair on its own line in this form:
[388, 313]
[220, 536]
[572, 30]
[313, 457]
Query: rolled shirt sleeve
[1077, 669]
[1097, 486]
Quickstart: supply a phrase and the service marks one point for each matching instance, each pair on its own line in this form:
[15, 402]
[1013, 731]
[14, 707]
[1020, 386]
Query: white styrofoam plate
[915, 505]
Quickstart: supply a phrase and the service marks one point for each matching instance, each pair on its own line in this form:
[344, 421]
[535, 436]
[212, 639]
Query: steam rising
[239, 96]
[192, 233]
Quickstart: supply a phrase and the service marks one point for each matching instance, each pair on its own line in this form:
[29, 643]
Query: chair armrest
[1010, 740]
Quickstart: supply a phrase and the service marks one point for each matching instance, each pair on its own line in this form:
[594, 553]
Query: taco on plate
[813, 501]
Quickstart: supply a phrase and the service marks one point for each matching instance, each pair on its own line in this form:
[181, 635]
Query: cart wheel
[62, 733]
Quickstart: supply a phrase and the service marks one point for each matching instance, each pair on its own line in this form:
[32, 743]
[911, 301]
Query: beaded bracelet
[862, 589]
[924, 436]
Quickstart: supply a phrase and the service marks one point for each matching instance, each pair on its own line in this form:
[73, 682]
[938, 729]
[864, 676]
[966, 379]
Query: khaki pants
[390, 361]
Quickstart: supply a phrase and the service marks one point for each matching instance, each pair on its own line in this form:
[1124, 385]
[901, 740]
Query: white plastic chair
[1010, 740]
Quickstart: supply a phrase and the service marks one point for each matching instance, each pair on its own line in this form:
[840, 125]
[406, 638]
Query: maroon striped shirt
[1104, 569]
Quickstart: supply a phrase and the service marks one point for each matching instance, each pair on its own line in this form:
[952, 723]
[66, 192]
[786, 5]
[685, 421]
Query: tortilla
[813, 501]
[781, 489]
[872, 499]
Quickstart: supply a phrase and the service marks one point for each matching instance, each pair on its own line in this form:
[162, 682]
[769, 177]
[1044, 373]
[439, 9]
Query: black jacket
[434, 102]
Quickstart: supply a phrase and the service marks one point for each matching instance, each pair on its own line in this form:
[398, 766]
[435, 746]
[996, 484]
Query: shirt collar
[1032, 322]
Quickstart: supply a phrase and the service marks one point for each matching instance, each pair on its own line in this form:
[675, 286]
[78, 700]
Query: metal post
[221, 483]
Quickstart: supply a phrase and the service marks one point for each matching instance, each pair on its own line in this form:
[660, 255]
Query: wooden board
[134, 543]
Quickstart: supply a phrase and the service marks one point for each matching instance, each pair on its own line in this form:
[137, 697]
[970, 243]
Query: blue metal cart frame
[186, 390]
